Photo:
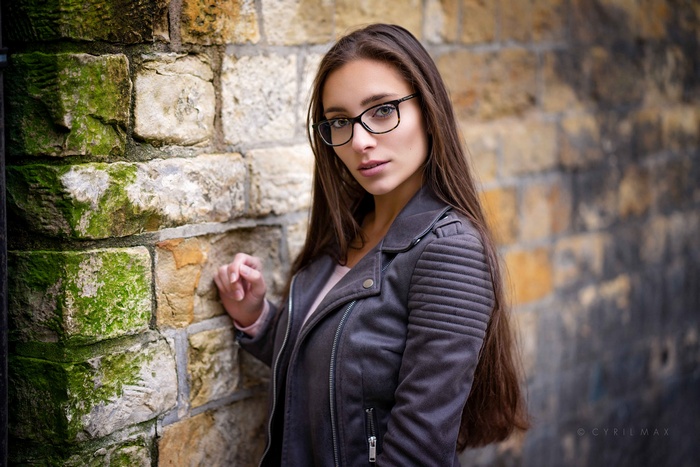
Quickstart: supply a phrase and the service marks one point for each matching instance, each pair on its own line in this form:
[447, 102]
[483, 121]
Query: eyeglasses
[379, 119]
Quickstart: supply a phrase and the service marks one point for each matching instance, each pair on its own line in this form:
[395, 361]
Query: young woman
[393, 345]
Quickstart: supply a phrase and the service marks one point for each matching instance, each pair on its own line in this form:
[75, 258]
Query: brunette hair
[495, 406]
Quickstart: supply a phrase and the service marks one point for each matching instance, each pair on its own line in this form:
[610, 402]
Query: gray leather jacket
[381, 371]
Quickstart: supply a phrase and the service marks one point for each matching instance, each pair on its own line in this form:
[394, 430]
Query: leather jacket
[382, 369]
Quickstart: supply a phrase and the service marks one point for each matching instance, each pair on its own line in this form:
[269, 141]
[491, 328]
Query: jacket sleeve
[449, 302]
[261, 346]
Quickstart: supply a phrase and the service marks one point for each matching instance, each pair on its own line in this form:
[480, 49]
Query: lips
[371, 168]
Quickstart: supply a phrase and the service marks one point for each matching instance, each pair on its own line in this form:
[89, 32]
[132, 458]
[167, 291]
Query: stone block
[484, 147]
[308, 73]
[441, 22]
[478, 21]
[254, 373]
[68, 104]
[296, 236]
[580, 141]
[545, 210]
[175, 101]
[563, 82]
[259, 98]
[230, 435]
[280, 180]
[351, 14]
[90, 397]
[92, 20]
[212, 366]
[549, 20]
[501, 208]
[646, 133]
[489, 85]
[596, 194]
[185, 270]
[653, 17]
[578, 259]
[635, 192]
[615, 76]
[515, 21]
[209, 23]
[79, 297]
[529, 146]
[297, 21]
[680, 127]
[530, 274]
[119, 199]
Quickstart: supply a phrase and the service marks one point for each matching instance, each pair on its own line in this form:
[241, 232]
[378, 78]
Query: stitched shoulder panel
[451, 286]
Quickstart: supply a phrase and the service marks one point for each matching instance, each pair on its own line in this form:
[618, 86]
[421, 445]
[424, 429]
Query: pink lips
[371, 168]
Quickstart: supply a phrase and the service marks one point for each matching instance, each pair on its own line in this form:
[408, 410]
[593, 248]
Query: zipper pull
[372, 449]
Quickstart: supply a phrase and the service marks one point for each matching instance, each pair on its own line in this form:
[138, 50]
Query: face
[386, 164]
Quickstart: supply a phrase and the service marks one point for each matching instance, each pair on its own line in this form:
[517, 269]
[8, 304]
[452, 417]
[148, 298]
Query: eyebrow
[369, 100]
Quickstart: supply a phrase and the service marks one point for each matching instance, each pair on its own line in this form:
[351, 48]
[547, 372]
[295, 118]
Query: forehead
[360, 79]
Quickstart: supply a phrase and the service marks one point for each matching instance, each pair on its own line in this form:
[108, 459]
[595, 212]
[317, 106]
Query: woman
[393, 345]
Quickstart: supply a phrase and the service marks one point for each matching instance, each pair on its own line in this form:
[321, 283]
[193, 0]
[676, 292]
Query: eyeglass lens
[380, 119]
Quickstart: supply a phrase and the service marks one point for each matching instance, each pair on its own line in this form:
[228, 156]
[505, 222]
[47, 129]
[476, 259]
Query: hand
[242, 288]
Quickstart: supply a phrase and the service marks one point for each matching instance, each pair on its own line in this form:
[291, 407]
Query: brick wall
[149, 141]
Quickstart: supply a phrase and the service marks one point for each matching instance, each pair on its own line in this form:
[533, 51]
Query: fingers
[240, 278]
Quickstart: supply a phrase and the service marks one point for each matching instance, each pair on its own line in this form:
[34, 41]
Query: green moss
[68, 104]
[79, 297]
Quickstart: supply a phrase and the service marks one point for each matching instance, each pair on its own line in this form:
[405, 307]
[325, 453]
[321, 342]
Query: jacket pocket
[371, 429]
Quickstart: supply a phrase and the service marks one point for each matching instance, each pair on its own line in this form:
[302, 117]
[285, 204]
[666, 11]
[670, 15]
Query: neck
[387, 208]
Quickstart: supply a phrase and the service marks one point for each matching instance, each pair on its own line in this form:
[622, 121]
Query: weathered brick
[529, 146]
[68, 104]
[87, 398]
[81, 297]
[530, 274]
[515, 21]
[231, 435]
[310, 66]
[296, 236]
[175, 100]
[563, 82]
[259, 95]
[646, 133]
[615, 76]
[483, 145]
[230, 22]
[635, 192]
[297, 22]
[545, 210]
[667, 72]
[254, 373]
[124, 22]
[280, 180]
[185, 270]
[549, 20]
[578, 259]
[212, 366]
[580, 141]
[489, 85]
[652, 18]
[102, 200]
[478, 21]
[595, 195]
[441, 22]
[681, 128]
[351, 13]
[501, 207]
[674, 184]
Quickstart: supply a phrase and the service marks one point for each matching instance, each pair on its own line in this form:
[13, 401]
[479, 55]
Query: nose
[361, 138]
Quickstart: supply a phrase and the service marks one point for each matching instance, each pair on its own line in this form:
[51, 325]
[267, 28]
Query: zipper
[275, 369]
[371, 435]
[331, 380]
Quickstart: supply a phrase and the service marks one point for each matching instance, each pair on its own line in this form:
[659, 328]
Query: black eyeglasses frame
[358, 119]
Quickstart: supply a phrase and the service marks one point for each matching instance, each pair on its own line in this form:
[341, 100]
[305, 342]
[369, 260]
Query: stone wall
[148, 141]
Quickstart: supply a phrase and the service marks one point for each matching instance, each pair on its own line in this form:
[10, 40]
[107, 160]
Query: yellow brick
[230, 22]
[441, 21]
[548, 19]
[530, 274]
[292, 22]
[580, 143]
[351, 14]
[478, 21]
[483, 143]
[500, 205]
[635, 192]
[516, 20]
[528, 146]
[545, 211]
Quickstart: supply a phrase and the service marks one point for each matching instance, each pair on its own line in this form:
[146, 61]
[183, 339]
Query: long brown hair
[495, 406]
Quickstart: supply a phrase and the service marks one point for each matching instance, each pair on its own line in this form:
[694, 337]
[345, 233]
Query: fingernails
[233, 277]
[246, 270]
[238, 295]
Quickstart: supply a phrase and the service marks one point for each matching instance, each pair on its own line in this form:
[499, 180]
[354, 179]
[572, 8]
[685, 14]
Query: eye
[339, 123]
[383, 111]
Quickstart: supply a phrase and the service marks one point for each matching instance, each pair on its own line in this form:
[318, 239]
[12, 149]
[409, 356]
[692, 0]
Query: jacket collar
[415, 220]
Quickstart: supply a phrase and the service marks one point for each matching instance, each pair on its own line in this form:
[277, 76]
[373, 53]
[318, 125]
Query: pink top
[338, 273]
